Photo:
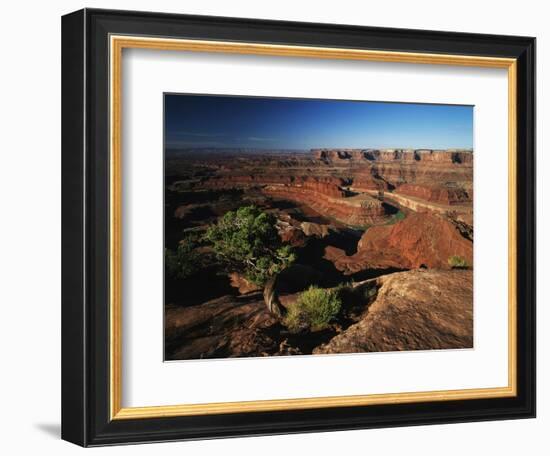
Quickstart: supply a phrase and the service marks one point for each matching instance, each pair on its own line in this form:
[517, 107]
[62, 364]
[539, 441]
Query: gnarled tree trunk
[271, 298]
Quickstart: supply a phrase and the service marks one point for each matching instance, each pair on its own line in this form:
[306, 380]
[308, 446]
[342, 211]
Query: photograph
[299, 226]
[268, 224]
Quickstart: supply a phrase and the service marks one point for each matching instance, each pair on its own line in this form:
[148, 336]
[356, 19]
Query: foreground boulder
[413, 310]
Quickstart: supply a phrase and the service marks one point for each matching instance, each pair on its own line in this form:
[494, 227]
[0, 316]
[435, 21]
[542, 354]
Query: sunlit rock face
[420, 240]
[412, 310]
[357, 187]
[355, 210]
[436, 193]
[384, 155]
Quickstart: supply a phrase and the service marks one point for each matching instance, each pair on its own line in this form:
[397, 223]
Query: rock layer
[414, 310]
[329, 186]
[356, 210]
[407, 155]
[420, 240]
[224, 327]
[436, 193]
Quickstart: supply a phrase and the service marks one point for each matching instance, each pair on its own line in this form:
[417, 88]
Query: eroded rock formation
[413, 310]
[420, 240]
[349, 214]
[224, 327]
[448, 195]
[356, 210]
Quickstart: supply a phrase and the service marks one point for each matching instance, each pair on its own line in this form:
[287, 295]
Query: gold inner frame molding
[117, 44]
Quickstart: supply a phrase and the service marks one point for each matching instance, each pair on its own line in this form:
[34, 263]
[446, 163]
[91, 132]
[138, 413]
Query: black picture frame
[85, 225]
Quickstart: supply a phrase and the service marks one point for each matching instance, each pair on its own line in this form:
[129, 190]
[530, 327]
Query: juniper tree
[246, 241]
[184, 261]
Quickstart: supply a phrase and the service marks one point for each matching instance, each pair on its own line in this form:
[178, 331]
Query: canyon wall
[329, 186]
[436, 193]
[345, 183]
[404, 155]
[358, 211]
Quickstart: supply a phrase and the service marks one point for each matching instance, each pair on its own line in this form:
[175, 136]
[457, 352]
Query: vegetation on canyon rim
[245, 241]
[185, 260]
[457, 262]
[314, 309]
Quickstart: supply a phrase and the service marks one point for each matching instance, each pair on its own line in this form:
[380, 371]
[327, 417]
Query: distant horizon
[265, 123]
[321, 148]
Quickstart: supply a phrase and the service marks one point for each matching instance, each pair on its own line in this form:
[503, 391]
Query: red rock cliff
[418, 240]
[436, 194]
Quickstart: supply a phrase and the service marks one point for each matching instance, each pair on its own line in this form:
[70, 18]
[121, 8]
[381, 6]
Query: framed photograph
[277, 227]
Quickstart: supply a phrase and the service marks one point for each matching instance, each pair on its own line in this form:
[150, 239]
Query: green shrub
[246, 241]
[457, 262]
[314, 309]
[185, 260]
[397, 217]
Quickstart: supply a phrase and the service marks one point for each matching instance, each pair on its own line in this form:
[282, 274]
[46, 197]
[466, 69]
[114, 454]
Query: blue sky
[284, 123]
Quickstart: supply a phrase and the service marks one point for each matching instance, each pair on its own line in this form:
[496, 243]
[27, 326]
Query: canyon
[385, 220]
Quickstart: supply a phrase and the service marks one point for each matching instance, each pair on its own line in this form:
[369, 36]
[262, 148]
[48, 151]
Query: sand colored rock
[414, 310]
[314, 229]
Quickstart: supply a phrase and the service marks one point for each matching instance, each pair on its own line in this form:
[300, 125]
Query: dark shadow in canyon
[207, 284]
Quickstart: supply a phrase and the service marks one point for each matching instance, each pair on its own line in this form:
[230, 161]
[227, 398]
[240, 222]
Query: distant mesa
[456, 156]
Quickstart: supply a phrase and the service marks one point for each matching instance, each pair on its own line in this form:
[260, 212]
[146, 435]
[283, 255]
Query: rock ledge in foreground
[414, 310]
